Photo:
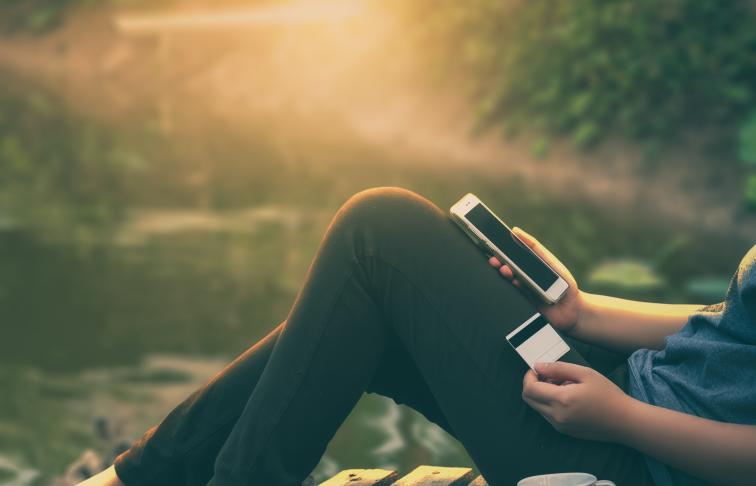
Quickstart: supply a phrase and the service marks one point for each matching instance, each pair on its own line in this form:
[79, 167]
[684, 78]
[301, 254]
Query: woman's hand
[564, 314]
[586, 405]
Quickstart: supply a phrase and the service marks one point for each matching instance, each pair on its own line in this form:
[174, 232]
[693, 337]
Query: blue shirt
[708, 368]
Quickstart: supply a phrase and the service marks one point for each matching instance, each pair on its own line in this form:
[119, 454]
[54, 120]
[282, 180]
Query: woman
[398, 302]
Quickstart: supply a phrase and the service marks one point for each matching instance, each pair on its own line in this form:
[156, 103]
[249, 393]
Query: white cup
[564, 479]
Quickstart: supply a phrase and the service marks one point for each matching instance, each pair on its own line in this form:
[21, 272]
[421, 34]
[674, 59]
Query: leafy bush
[40, 16]
[641, 68]
[747, 139]
[58, 173]
[34, 16]
[747, 152]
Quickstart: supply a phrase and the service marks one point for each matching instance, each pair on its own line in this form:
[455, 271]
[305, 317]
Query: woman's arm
[717, 452]
[590, 406]
[618, 324]
[627, 325]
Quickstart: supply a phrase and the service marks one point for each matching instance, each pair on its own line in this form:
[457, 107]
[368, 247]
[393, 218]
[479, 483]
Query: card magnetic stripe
[528, 331]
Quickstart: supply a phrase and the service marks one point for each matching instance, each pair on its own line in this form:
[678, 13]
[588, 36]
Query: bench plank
[437, 476]
[479, 481]
[362, 477]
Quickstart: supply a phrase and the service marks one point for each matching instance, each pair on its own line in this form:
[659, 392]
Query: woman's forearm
[716, 452]
[627, 325]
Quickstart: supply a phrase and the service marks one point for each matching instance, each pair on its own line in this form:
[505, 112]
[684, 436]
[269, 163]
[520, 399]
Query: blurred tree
[57, 173]
[33, 16]
[585, 68]
[747, 152]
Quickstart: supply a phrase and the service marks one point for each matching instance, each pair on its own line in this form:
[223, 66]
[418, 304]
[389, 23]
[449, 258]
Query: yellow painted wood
[479, 481]
[362, 477]
[437, 476]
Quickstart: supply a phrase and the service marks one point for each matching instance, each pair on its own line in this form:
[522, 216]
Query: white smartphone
[491, 233]
[535, 340]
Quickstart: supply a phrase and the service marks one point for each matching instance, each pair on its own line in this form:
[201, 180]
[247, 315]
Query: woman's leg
[181, 450]
[391, 222]
[392, 265]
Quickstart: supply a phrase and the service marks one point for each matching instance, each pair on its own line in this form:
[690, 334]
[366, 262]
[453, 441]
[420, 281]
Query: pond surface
[134, 265]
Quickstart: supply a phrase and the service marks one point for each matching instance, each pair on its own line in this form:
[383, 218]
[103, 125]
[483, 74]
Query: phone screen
[520, 254]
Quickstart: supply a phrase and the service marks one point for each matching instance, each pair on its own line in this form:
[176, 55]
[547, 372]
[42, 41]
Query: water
[134, 265]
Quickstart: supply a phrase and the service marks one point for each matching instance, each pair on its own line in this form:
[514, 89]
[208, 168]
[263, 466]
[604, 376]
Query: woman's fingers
[529, 380]
[539, 407]
[532, 243]
[561, 371]
[540, 250]
[538, 391]
[526, 237]
[504, 270]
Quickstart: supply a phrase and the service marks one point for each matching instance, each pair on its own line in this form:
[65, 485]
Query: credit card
[535, 340]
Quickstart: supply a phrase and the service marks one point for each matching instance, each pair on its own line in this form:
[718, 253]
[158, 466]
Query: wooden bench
[421, 476]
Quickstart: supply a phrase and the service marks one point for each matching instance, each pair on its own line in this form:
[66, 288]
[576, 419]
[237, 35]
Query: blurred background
[168, 168]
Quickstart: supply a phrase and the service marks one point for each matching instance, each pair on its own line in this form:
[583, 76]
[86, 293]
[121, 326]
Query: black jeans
[397, 301]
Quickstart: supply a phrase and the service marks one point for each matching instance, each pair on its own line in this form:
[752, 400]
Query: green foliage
[59, 173]
[747, 153]
[750, 191]
[585, 68]
[33, 16]
[707, 288]
[630, 274]
[541, 147]
[747, 141]
[41, 16]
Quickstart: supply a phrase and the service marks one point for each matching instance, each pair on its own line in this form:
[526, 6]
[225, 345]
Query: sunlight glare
[292, 13]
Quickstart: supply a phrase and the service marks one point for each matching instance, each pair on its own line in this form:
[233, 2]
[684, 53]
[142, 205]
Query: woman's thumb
[526, 237]
[561, 371]
[535, 246]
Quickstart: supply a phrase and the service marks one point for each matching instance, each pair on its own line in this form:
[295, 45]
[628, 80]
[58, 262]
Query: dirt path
[303, 71]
